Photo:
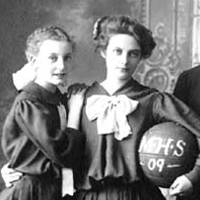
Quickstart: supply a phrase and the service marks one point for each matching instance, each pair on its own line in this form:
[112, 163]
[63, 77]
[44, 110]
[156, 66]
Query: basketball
[166, 151]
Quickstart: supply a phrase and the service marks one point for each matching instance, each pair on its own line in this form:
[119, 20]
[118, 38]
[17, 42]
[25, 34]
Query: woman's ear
[30, 57]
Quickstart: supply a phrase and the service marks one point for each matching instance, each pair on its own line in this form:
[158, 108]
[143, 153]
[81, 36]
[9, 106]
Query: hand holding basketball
[182, 186]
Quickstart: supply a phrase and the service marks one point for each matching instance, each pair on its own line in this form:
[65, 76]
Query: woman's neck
[112, 85]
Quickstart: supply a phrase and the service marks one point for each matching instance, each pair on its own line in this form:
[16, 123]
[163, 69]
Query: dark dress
[35, 144]
[110, 170]
[188, 90]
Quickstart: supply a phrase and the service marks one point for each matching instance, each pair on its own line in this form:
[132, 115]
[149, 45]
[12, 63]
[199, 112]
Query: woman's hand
[10, 175]
[76, 95]
[182, 186]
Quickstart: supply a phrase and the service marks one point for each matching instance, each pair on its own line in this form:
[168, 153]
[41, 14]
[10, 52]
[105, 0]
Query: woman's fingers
[181, 186]
[9, 175]
[76, 88]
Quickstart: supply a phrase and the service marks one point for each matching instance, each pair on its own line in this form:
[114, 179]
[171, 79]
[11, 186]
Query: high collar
[132, 85]
[132, 89]
[42, 94]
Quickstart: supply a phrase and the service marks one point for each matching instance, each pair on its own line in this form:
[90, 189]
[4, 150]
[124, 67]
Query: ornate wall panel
[170, 22]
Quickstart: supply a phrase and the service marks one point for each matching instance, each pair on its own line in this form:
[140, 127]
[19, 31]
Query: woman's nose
[124, 58]
[61, 64]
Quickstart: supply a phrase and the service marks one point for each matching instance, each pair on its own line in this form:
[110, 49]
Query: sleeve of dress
[168, 108]
[181, 88]
[61, 146]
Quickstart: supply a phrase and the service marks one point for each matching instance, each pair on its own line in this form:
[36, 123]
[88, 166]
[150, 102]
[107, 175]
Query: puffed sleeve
[169, 108]
[39, 124]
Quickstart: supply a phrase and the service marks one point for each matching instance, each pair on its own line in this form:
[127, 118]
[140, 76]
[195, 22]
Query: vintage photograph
[100, 100]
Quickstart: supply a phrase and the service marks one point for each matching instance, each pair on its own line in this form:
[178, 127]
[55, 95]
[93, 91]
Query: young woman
[116, 114]
[40, 135]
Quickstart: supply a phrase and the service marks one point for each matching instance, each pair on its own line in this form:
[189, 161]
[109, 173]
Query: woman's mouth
[123, 69]
[60, 75]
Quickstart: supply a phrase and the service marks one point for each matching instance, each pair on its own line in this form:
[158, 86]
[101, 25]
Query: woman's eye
[53, 58]
[68, 58]
[118, 51]
[134, 54]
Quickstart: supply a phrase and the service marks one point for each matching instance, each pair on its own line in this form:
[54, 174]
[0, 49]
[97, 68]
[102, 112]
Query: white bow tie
[111, 114]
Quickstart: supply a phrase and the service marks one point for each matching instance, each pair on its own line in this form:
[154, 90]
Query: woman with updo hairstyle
[118, 111]
[40, 138]
[105, 27]
[35, 39]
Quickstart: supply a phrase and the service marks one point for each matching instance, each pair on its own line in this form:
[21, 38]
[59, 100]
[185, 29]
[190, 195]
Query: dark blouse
[109, 159]
[32, 138]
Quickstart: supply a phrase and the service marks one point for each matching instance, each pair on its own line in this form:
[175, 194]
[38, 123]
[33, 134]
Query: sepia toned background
[174, 24]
